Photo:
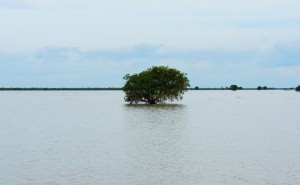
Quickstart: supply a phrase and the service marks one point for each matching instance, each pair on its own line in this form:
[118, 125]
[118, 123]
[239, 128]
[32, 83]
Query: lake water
[93, 137]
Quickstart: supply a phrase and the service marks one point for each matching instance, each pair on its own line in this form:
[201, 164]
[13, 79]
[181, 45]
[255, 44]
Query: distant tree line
[119, 88]
[262, 88]
[236, 87]
[56, 89]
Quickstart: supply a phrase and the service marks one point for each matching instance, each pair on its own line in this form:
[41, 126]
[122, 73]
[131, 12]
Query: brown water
[93, 137]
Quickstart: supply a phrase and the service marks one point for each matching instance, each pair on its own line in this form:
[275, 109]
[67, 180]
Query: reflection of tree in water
[157, 114]
[155, 139]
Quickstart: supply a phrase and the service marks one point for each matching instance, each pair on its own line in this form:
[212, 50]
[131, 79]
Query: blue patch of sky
[14, 5]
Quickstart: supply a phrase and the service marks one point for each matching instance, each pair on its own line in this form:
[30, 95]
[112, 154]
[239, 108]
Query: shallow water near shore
[94, 137]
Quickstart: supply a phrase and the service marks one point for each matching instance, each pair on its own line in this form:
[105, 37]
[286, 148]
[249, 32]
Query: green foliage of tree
[298, 88]
[234, 87]
[259, 88]
[196, 88]
[265, 87]
[155, 85]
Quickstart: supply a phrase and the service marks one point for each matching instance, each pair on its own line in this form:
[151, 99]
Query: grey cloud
[107, 67]
[280, 55]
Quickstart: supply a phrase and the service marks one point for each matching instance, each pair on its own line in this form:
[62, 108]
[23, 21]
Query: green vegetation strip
[114, 88]
[57, 89]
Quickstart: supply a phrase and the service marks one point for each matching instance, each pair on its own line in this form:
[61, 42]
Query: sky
[94, 43]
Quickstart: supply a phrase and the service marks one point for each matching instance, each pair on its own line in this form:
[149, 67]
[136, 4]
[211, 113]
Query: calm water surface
[93, 137]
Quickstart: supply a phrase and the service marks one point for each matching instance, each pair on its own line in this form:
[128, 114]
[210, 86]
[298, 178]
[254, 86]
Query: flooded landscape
[94, 137]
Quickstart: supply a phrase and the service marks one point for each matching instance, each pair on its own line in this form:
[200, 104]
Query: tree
[155, 85]
[298, 88]
[234, 87]
[265, 87]
[196, 88]
[259, 88]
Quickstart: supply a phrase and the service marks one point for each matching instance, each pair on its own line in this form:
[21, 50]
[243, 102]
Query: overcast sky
[94, 43]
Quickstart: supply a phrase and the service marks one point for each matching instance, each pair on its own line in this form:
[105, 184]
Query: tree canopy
[298, 88]
[155, 85]
[234, 87]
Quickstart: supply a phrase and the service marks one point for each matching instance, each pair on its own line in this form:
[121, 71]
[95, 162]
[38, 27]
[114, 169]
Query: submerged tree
[155, 85]
[234, 87]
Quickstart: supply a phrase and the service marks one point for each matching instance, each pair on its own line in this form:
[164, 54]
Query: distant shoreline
[56, 89]
[117, 88]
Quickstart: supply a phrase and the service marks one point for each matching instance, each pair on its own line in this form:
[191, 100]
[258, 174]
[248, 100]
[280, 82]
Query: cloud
[92, 24]
[213, 6]
[216, 42]
[73, 67]
[283, 54]
[295, 70]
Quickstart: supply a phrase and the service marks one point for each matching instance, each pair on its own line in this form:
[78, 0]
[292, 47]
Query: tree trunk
[151, 101]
